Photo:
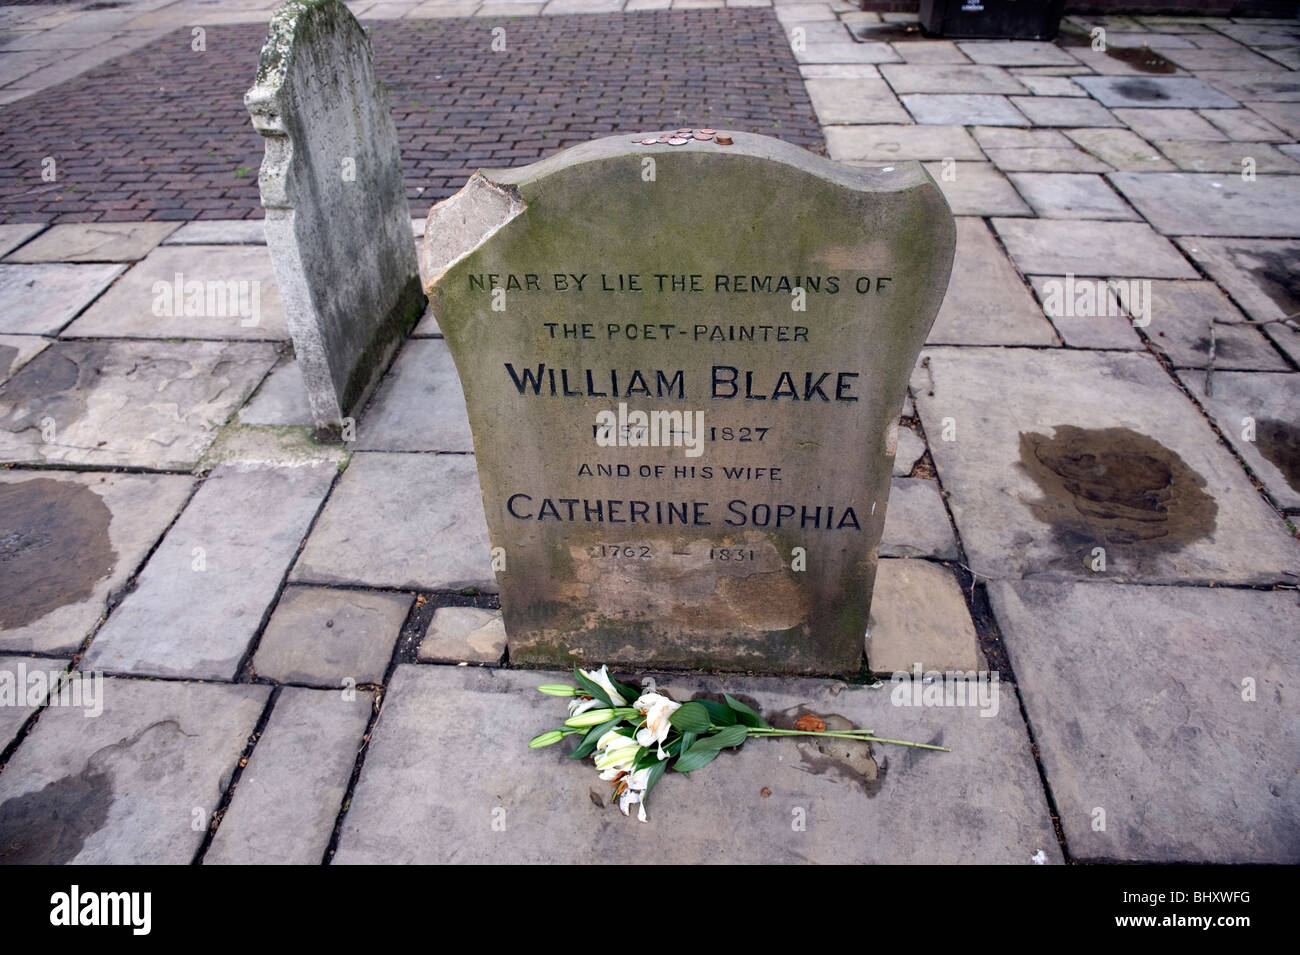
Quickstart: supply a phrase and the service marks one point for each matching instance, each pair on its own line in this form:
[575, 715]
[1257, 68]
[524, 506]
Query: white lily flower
[579, 705]
[601, 678]
[658, 710]
[634, 793]
[615, 754]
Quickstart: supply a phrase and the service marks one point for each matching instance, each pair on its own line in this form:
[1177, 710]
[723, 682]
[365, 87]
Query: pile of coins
[685, 135]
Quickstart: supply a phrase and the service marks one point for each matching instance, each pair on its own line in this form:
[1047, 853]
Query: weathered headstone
[684, 365]
[337, 221]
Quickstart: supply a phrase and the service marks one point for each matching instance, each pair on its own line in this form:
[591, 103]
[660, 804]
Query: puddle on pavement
[846, 760]
[1275, 276]
[1115, 487]
[1279, 443]
[49, 826]
[1140, 58]
[54, 547]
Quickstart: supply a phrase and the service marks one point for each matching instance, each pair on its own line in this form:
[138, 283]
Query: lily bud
[590, 718]
[549, 738]
[558, 689]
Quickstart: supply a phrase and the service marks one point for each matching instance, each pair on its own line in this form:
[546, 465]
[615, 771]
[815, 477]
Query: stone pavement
[302, 655]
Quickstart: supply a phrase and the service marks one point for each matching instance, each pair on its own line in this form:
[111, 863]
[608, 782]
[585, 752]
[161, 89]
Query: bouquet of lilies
[633, 736]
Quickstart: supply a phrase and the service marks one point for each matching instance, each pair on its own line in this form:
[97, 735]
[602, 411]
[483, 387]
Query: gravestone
[338, 225]
[684, 358]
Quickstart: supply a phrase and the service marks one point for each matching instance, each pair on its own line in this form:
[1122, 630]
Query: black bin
[992, 19]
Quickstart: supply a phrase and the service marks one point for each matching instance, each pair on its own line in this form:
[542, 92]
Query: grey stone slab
[930, 52]
[1244, 125]
[1155, 91]
[409, 521]
[1106, 63]
[1056, 195]
[1213, 204]
[889, 143]
[1283, 115]
[1180, 327]
[139, 404]
[41, 299]
[1227, 157]
[1257, 414]
[1121, 148]
[846, 51]
[1162, 124]
[420, 405]
[958, 108]
[919, 618]
[1133, 691]
[1050, 85]
[136, 785]
[1089, 247]
[987, 302]
[77, 539]
[25, 691]
[931, 78]
[219, 232]
[200, 600]
[324, 637]
[916, 524]
[1015, 53]
[18, 350]
[854, 101]
[1037, 159]
[997, 137]
[1064, 111]
[94, 242]
[426, 797]
[1257, 33]
[223, 292]
[977, 189]
[1105, 325]
[290, 793]
[839, 71]
[911, 446]
[1257, 273]
[428, 326]
[1277, 86]
[281, 400]
[348, 303]
[1290, 149]
[464, 634]
[12, 236]
[1165, 500]
[1200, 59]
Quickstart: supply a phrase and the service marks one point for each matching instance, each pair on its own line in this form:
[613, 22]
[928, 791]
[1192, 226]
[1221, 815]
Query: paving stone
[928, 78]
[1086, 247]
[151, 302]
[281, 400]
[18, 350]
[12, 236]
[1057, 195]
[402, 812]
[839, 71]
[1261, 33]
[845, 51]
[1064, 111]
[219, 232]
[1258, 274]
[408, 521]
[427, 327]
[1270, 402]
[997, 137]
[41, 299]
[1121, 148]
[1212, 204]
[129, 786]
[1278, 86]
[916, 524]
[76, 540]
[1166, 501]
[918, 616]
[1133, 691]
[201, 599]
[1180, 327]
[1198, 59]
[419, 406]
[290, 793]
[1229, 157]
[1162, 124]
[854, 101]
[1284, 115]
[1015, 53]
[977, 189]
[987, 303]
[1051, 85]
[930, 52]
[94, 242]
[464, 634]
[135, 404]
[911, 446]
[1035, 159]
[323, 637]
[954, 109]
[17, 673]
[887, 143]
[1100, 330]
[1244, 125]
[1155, 91]
[1290, 149]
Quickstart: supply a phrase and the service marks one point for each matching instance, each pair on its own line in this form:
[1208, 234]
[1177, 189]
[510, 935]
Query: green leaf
[687, 740]
[648, 757]
[589, 741]
[690, 717]
[704, 750]
[592, 688]
[724, 738]
[657, 770]
[720, 713]
[630, 693]
[743, 713]
[696, 759]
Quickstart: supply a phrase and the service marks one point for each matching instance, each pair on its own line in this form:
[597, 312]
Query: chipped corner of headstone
[461, 223]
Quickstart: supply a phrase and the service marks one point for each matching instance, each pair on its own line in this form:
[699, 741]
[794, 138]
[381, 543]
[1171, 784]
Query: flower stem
[863, 736]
